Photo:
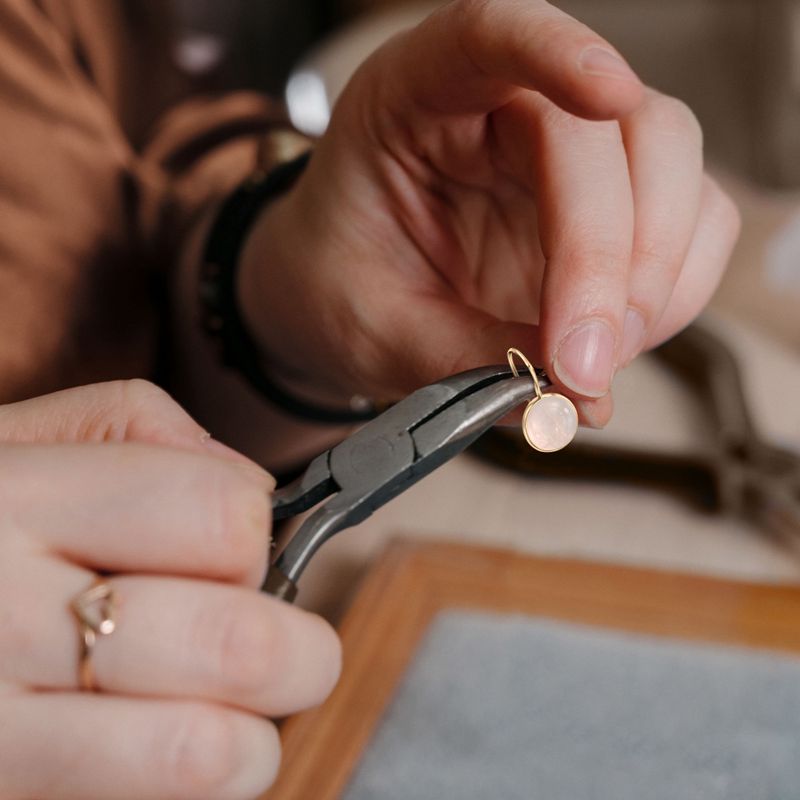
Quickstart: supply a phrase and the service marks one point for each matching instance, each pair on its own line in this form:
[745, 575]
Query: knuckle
[554, 119]
[466, 17]
[590, 138]
[141, 390]
[142, 396]
[594, 253]
[674, 117]
[200, 753]
[557, 32]
[656, 256]
[112, 408]
[541, 21]
[474, 14]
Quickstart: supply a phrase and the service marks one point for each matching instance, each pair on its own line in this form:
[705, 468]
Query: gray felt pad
[515, 708]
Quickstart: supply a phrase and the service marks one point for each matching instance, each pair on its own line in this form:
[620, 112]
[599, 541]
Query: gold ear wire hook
[510, 353]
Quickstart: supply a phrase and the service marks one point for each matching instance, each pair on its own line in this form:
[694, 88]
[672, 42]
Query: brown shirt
[105, 169]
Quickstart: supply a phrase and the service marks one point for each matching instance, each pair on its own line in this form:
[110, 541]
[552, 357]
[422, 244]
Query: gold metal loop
[510, 353]
[95, 610]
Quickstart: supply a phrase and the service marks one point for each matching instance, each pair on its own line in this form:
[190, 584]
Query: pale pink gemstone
[550, 423]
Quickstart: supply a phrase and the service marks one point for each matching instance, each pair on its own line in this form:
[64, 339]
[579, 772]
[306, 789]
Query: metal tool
[741, 474]
[754, 479]
[386, 456]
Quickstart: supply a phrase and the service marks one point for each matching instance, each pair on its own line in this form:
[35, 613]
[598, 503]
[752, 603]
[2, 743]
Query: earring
[550, 421]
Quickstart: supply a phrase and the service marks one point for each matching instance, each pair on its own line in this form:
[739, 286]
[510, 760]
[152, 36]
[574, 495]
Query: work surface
[478, 673]
[512, 707]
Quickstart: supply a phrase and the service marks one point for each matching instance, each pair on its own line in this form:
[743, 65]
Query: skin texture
[118, 478]
[495, 177]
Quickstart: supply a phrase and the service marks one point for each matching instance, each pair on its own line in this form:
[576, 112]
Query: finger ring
[94, 609]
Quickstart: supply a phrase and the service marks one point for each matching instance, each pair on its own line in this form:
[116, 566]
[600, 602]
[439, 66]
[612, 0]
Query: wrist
[273, 299]
[261, 284]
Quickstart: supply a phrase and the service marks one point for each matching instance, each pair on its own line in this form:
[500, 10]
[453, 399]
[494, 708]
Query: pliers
[754, 478]
[387, 456]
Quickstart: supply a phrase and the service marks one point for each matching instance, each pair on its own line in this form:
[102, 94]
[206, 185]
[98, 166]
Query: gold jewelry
[94, 609]
[550, 420]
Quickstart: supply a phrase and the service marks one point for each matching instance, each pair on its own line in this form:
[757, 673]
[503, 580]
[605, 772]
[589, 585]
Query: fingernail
[606, 64]
[633, 333]
[584, 359]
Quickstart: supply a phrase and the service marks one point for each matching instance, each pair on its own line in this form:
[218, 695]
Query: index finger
[472, 56]
[133, 507]
[115, 411]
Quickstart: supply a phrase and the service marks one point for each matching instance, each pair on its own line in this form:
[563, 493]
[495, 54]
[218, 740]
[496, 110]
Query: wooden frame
[413, 581]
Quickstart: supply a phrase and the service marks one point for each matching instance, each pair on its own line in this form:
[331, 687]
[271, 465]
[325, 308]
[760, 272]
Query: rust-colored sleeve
[99, 185]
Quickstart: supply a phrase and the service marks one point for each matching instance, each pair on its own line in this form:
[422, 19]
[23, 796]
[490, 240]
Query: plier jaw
[386, 456]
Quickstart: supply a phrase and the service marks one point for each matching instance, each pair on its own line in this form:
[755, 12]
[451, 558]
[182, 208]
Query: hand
[497, 176]
[117, 478]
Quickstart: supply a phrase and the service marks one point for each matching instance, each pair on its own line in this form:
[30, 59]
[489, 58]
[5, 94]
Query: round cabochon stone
[550, 423]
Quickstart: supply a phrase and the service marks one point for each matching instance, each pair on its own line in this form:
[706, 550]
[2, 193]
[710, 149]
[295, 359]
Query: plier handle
[386, 456]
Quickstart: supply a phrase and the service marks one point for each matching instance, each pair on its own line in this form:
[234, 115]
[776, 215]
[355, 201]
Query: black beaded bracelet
[220, 310]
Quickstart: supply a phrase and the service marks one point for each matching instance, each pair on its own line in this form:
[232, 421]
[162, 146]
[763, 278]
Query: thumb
[118, 411]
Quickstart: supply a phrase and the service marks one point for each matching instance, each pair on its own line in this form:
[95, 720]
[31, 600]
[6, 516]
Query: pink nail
[584, 360]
